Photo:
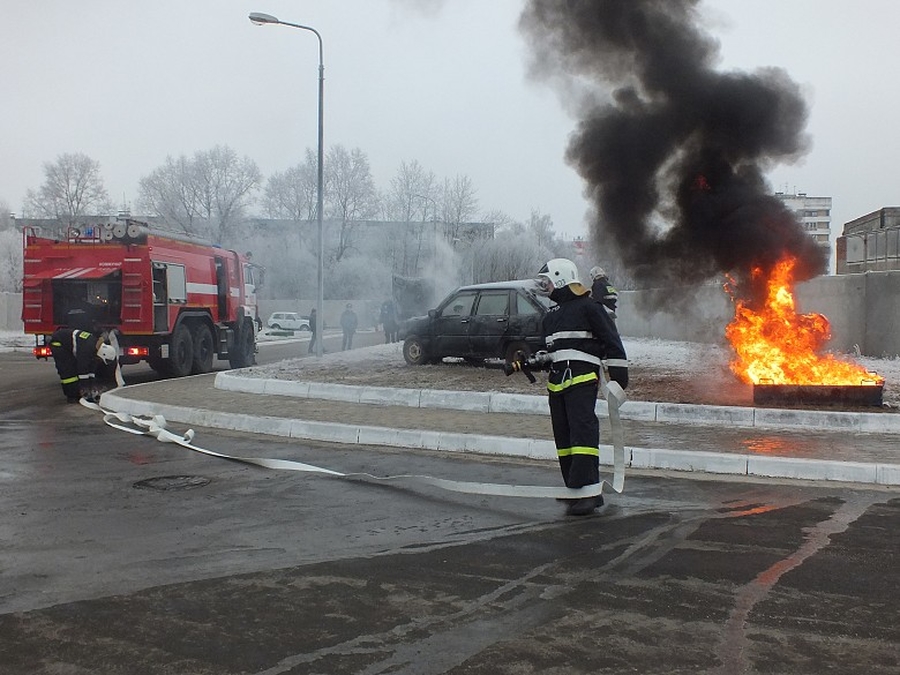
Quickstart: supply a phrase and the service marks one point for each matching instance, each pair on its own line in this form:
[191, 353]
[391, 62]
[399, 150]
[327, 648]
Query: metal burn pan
[823, 395]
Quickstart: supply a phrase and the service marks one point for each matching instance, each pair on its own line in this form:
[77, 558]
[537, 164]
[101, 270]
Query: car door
[525, 321]
[489, 324]
[450, 328]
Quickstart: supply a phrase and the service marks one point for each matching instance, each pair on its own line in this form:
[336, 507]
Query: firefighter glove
[619, 375]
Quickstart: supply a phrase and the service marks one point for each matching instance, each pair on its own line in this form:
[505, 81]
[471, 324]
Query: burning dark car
[478, 322]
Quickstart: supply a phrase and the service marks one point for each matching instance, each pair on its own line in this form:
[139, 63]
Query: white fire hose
[155, 426]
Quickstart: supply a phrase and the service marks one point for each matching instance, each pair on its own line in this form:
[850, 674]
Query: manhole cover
[166, 483]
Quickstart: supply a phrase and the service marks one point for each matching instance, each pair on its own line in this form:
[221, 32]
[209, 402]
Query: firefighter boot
[585, 506]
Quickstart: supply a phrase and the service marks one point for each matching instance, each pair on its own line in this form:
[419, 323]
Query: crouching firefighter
[581, 337]
[79, 351]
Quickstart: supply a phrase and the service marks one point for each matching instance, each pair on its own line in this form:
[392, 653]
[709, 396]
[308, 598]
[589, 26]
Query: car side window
[493, 303]
[525, 306]
[459, 305]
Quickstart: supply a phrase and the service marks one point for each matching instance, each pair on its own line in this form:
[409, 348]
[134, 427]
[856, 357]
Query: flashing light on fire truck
[136, 351]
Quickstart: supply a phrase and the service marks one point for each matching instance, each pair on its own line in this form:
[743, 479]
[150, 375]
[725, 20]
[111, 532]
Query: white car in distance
[287, 321]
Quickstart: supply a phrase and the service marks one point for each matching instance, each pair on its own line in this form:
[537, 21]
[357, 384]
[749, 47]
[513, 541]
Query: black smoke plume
[673, 152]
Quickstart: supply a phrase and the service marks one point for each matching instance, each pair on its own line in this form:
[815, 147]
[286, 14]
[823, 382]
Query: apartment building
[815, 215]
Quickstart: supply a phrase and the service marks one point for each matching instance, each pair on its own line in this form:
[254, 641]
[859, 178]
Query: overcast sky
[443, 83]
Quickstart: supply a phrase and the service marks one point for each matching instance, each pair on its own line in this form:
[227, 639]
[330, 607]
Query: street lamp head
[259, 18]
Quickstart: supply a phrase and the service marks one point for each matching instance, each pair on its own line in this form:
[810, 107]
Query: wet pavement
[123, 555]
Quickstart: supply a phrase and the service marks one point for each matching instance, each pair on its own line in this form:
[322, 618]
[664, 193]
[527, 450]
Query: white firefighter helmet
[107, 352]
[557, 273]
[597, 272]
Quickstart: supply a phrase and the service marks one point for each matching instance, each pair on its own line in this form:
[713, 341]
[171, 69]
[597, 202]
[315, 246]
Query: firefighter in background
[603, 291]
[389, 321]
[581, 338]
[78, 351]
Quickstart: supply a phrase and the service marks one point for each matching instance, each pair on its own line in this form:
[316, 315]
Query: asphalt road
[124, 555]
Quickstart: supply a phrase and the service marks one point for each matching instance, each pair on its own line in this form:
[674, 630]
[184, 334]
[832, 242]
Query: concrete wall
[882, 314]
[863, 310]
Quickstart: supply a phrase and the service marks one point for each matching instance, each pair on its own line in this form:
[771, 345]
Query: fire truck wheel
[181, 352]
[245, 347]
[203, 349]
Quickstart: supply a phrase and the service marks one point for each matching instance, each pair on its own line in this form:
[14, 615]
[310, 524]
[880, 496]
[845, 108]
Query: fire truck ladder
[32, 302]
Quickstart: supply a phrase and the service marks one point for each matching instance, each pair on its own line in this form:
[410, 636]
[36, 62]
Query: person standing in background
[348, 326]
[314, 330]
[389, 321]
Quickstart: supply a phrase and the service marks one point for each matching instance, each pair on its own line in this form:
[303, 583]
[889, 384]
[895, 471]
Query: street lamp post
[260, 19]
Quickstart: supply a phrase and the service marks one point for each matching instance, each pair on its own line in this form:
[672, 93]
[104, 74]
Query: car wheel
[275, 326]
[512, 350]
[414, 352]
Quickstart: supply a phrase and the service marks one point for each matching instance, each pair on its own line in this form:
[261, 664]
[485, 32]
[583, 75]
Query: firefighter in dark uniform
[77, 350]
[581, 338]
[603, 291]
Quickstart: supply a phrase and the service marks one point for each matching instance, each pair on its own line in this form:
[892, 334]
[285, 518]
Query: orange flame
[775, 345]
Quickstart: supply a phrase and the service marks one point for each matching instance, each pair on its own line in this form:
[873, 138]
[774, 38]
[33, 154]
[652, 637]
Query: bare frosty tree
[168, 192]
[214, 186]
[500, 219]
[72, 188]
[540, 227]
[459, 204]
[11, 261]
[292, 194]
[512, 254]
[351, 196]
[412, 200]
[413, 194]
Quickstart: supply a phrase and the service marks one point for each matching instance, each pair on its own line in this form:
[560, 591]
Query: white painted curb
[494, 401]
[637, 458]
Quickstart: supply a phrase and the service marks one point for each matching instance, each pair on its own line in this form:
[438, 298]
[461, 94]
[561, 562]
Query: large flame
[775, 345]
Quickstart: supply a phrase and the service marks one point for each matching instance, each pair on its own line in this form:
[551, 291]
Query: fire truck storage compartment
[102, 297]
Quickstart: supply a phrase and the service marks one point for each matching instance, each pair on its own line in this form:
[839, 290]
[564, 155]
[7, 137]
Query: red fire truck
[173, 300]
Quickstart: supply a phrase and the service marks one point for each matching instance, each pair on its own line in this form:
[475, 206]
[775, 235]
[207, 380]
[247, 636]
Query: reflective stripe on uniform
[578, 450]
[574, 355]
[69, 380]
[565, 384]
[568, 335]
[616, 363]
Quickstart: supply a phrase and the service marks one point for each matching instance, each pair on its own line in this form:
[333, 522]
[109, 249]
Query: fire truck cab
[174, 301]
